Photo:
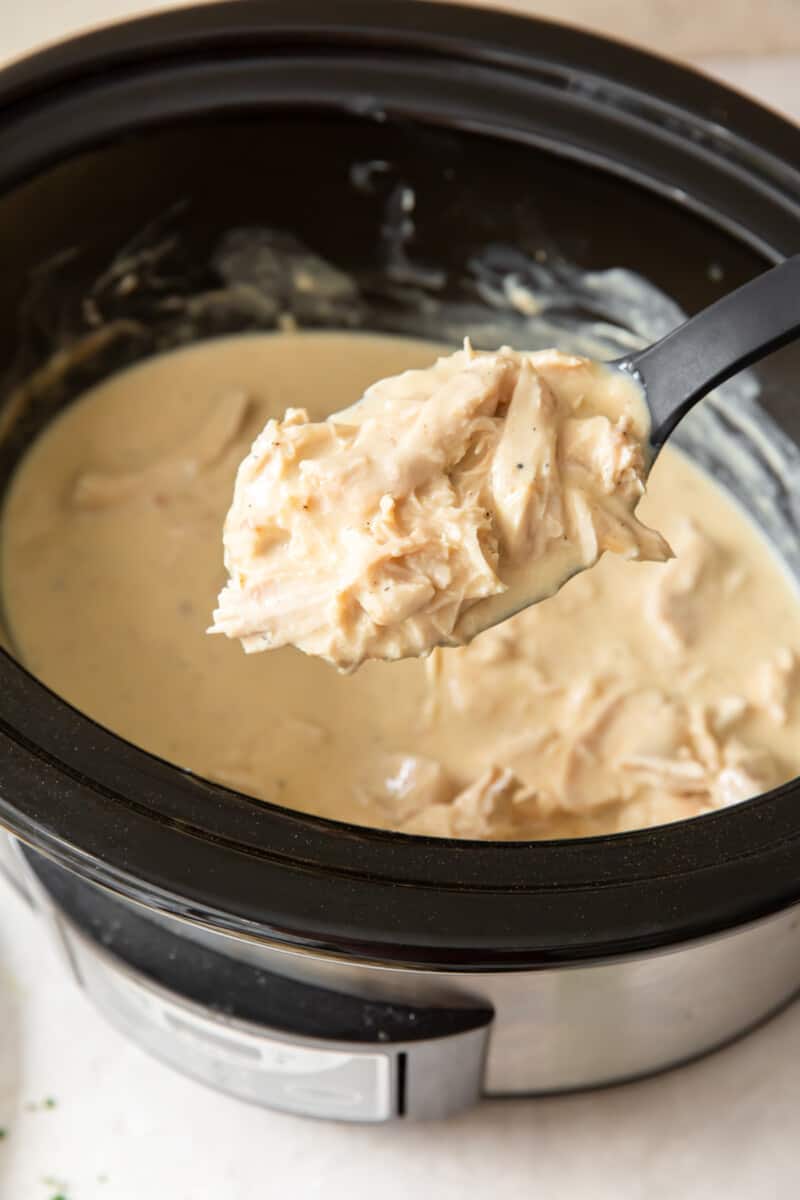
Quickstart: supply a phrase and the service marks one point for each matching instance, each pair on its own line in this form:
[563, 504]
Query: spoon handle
[737, 330]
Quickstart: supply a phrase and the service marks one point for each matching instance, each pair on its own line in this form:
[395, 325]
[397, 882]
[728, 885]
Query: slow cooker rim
[643, 85]
[412, 892]
[480, 34]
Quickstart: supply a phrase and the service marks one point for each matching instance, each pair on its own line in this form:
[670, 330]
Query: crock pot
[299, 962]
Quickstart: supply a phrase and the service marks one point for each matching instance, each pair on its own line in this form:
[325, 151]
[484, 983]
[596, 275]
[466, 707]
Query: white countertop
[122, 1127]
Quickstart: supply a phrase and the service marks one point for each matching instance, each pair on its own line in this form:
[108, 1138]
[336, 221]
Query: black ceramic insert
[507, 129]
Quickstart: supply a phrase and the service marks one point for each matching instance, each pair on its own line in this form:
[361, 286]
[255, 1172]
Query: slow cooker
[302, 963]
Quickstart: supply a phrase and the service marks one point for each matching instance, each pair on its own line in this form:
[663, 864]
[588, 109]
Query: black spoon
[742, 327]
[676, 372]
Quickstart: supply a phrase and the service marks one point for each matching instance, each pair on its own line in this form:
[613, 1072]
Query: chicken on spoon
[449, 498]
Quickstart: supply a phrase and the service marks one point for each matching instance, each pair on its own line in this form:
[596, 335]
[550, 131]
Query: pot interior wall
[337, 185]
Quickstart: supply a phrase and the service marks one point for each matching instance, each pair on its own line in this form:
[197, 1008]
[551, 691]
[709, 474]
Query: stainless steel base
[554, 1029]
[574, 1027]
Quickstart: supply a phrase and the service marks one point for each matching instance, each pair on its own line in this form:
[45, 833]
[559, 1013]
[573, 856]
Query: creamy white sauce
[641, 693]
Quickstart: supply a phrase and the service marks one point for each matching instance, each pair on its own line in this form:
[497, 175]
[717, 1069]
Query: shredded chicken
[388, 529]
[605, 751]
[640, 758]
[643, 693]
[403, 785]
[775, 684]
[678, 602]
[496, 806]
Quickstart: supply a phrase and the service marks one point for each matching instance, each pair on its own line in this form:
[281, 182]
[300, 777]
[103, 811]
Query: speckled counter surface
[87, 1116]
